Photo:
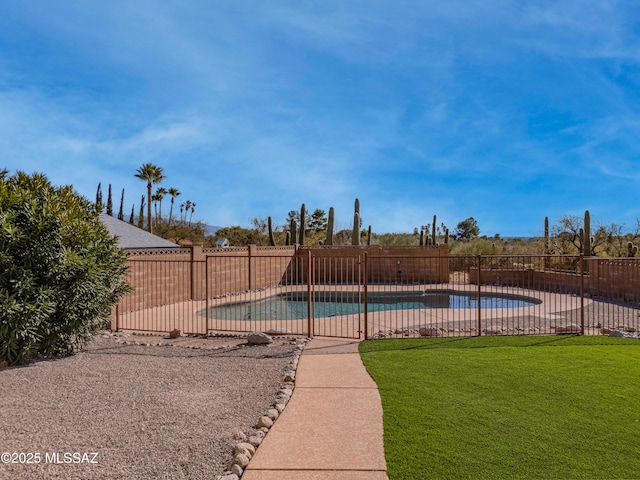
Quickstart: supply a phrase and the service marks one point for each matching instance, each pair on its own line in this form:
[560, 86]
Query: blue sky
[507, 111]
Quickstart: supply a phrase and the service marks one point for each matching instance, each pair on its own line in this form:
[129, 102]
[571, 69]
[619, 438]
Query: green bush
[60, 271]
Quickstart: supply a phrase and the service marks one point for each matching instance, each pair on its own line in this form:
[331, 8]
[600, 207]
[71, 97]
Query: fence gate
[307, 294]
[337, 294]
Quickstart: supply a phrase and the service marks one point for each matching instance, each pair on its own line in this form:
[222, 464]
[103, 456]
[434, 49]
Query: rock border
[248, 442]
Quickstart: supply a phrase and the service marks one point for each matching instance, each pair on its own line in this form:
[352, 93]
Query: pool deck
[187, 316]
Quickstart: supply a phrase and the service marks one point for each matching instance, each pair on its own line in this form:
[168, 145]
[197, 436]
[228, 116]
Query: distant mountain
[211, 229]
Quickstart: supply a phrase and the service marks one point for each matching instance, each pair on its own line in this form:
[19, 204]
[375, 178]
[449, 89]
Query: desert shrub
[477, 246]
[60, 271]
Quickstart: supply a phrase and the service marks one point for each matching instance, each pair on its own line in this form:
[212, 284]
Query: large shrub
[60, 271]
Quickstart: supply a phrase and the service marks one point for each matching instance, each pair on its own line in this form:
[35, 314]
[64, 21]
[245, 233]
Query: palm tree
[187, 206]
[193, 207]
[160, 193]
[155, 197]
[174, 192]
[151, 174]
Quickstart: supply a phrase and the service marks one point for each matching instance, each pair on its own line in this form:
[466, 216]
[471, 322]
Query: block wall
[616, 279]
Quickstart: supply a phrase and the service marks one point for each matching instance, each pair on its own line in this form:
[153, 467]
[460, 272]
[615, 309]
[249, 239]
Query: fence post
[252, 251]
[366, 301]
[115, 321]
[206, 293]
[196, 256]
[309, 298]
[582, 269]
[479, 293]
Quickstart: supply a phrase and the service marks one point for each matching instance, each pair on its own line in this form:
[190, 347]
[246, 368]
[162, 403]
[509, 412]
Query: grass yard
[509, 407]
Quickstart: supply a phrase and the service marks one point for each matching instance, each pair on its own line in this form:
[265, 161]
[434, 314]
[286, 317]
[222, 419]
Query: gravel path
[166, 412]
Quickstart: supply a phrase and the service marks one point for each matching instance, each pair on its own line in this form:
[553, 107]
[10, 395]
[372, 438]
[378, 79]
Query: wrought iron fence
[355, 294]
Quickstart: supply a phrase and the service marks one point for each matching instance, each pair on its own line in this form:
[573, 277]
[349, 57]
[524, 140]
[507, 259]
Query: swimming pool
[294, 305]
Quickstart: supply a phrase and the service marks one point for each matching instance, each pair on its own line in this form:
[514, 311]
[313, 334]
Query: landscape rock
[493, 330]
[255, 440]
[259, 338]
[284, 395]
[231, 476]
[237, 470]
[285, 391]
[245, 446]
[241, 459]
[571, 328]
[175, 333]
[265, 422]
[273, 414]
[240, 436]
[429, 332]
[279, 331]
[239, 450]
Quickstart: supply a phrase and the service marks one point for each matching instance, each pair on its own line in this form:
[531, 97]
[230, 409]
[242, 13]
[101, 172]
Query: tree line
[179, 228]
[608, 240]
[564, 237]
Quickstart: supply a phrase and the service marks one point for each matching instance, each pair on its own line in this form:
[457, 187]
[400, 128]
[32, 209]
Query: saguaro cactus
[433, 230]
[329, 239]
[547, 244]
[293, 229]
[369, 236]
[546, 236]
[587, 234]
[303, 216]
[272, 240]
[355, 236]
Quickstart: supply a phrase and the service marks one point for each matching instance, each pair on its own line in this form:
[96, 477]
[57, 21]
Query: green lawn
[509, 407]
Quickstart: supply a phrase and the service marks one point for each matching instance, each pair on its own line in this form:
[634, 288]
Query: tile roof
[130, 236]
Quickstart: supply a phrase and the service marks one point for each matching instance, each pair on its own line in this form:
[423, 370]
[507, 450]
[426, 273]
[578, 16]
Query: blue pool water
[294, 305]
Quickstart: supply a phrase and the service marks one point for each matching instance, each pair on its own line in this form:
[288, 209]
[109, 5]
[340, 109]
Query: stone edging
[247, 443]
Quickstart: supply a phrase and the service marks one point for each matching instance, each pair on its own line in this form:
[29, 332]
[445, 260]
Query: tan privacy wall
[167, 276]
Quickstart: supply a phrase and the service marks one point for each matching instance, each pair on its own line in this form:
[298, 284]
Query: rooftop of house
[131, 237]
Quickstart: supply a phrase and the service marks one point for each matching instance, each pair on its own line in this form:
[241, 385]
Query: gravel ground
[147, 411]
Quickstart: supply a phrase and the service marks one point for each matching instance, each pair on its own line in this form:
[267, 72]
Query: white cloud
[257, 107]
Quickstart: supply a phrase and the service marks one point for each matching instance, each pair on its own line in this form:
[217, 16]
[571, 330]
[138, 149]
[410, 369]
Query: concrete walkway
[332, 427]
